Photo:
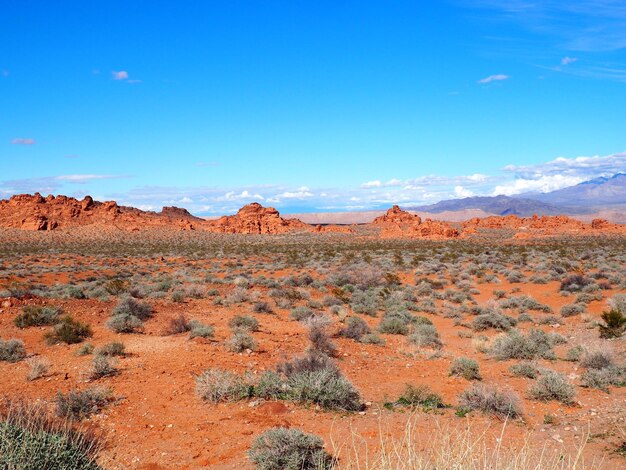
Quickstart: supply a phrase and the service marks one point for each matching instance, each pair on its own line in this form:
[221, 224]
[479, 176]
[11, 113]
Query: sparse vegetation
[68, 331]
[490, 400]
[289, 449]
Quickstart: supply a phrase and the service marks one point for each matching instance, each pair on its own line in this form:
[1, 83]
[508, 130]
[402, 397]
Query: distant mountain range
[585, 198]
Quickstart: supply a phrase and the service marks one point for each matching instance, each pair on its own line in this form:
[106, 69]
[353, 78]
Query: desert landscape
[160, 340]
[313, 235]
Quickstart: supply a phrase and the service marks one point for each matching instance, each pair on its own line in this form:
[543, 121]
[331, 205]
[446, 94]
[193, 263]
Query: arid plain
[402, 343]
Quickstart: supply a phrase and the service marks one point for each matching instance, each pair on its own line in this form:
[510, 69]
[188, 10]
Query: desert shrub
[425, 335]
[524, 303]
[320, 341]
[12, 350]
[575, 283]
[81, 404]
[262, 307]
[241, 341]
[571, 310]
[314, 378]
[371, 338]
[244, 322]
[396, 322]
[178, 296]
[614, 324]
[101, 366]
[116, 286]
[466, 368]
[112, 349]
[552, 386]
[330, 300]
[325, 387]
[68, 331]
[602, 378]
[270, 386]
[130, 306]
[355, 328]
[35, 315]
[301, 313]
[32, 439]
[124, 323]
[38, 367]
[365, 302]
[84, 349]
[493, 320]
[490, 400]
[289, 449]
[574, 353]
[179, 324]
[421, 396]
[525, 369]
[597, 359]
[514, 345]
[199, 330]
[310, 362]
[216, 385]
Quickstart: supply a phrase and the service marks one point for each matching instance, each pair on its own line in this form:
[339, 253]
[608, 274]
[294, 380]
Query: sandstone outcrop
[34, 212]
[528, 227]
[397, 223]
[255, 219]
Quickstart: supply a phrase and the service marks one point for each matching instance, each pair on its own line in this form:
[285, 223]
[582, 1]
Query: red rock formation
[255, 219]
[543, 226]
[396, 223]
[34, 212]
[395, 215]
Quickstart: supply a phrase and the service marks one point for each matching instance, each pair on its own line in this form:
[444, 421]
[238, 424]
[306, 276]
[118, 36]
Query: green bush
[421, 395]
[289, 449]
[35, 315]
[68, 331]
[31, 439]
[614, 324]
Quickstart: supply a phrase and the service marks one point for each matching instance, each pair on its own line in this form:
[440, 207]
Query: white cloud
[23, 141]
[493, 78]
[460, 191]
[121, 75]
[542, 184]
[372, 184]
[568, 60]
[585, 167]
[243, 195]
[84, 178]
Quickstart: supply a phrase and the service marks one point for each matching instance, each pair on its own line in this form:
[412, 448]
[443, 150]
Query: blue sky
[309, 106]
